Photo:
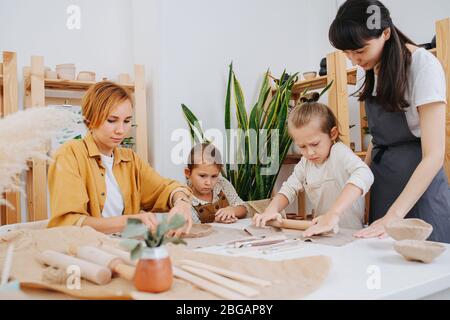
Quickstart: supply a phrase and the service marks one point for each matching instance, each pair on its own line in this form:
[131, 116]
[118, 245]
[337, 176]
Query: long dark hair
[350, 31]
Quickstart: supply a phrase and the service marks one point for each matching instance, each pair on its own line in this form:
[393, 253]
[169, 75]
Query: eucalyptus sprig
[135, 228]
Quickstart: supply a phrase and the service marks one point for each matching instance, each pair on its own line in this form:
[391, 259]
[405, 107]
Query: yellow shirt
[77, 183]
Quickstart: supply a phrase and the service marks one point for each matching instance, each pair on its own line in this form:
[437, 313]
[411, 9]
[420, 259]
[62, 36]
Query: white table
[351, 264]
[357, 263]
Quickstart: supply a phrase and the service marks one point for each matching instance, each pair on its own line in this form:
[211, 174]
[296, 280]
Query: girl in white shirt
[333, 177]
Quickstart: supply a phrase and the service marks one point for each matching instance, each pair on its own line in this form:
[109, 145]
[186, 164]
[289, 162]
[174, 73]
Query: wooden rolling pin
[290, 224]
[90, 271]
[124, 255]
[100, 257]
[222, 281]
[228, 273]
[207, 285]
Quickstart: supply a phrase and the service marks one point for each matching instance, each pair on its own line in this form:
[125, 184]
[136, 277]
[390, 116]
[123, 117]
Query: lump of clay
[409, 229]
[415, 250]
[199, 230]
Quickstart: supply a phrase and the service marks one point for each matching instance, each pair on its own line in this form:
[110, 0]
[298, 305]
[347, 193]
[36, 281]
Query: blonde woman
[93, 182]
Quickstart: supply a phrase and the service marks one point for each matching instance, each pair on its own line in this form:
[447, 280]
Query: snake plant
[263, 139]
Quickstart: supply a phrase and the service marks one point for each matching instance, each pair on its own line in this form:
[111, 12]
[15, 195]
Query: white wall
[103, 44]
[186, 47]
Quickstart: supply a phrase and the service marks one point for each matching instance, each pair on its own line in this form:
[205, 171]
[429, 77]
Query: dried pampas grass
[24, 135]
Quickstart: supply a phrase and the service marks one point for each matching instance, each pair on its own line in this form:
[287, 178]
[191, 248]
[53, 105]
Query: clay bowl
[309, 75]
[409, 229]
[49, 74]
[66, 71]
[86, 76]
[422, 251]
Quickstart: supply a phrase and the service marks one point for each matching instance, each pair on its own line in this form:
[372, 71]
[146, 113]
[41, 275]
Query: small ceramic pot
[86, 76]
[415, 250]
[409, 229]
[309, 75]
[49, 74]
[66, 71]
[154, 271]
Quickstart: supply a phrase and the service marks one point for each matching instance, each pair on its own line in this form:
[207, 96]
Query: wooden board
[10, 105]
[71, 85]
[37, 177]
[443, 54]
[338, 93]
[141, 113]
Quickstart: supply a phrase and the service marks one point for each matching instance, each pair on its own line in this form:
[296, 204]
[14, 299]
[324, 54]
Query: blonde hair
[310, 109]
[100, 99]
[204, 153]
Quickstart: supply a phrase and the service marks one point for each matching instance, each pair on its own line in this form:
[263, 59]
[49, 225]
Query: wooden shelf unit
[9, 103]
[36, 95]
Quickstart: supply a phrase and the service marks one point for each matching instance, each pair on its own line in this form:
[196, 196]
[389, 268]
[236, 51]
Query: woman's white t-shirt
[426, 84]
[114, 201]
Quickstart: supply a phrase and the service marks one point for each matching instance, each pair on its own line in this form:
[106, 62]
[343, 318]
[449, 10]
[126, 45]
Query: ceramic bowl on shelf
[309, 75]
[409, 229]
[66, 71]
[415, 250]
[49, 74]
[86, 76]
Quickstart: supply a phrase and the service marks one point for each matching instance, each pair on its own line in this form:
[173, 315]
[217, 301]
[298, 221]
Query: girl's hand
[226, 215]
[323, 224]
[184, 208]
[260, 220]
[376, 229]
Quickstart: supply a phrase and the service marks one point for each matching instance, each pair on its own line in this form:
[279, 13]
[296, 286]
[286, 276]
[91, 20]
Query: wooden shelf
[321, 82]
[70, 85]
[1, 80]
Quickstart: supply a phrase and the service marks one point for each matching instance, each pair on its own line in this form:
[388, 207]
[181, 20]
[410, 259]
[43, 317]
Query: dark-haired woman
[405, 96]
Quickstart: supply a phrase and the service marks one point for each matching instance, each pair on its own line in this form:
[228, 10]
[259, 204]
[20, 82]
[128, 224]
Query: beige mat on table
[342, 238]
[292, 279]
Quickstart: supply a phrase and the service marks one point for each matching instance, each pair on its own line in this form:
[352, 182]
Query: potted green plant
[154, 269]
[250, 175]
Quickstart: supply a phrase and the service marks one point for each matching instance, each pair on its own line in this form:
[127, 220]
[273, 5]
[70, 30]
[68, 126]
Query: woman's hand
[226, 215]
[147, 218]
[260, 220]
[377, 228]
[323, 224]
[184, 208]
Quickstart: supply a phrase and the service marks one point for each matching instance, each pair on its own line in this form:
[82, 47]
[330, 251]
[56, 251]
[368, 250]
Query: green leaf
[136, 253]
[326, 88]
[134, 228]
[194, 125]
[129, 244]
[228, 122]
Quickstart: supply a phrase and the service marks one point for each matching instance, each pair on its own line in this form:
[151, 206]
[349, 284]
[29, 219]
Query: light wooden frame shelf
[36, 95]
[70, 85]
[9, 103]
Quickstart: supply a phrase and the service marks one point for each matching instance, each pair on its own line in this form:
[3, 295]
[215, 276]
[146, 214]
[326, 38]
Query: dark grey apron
[396, 154]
